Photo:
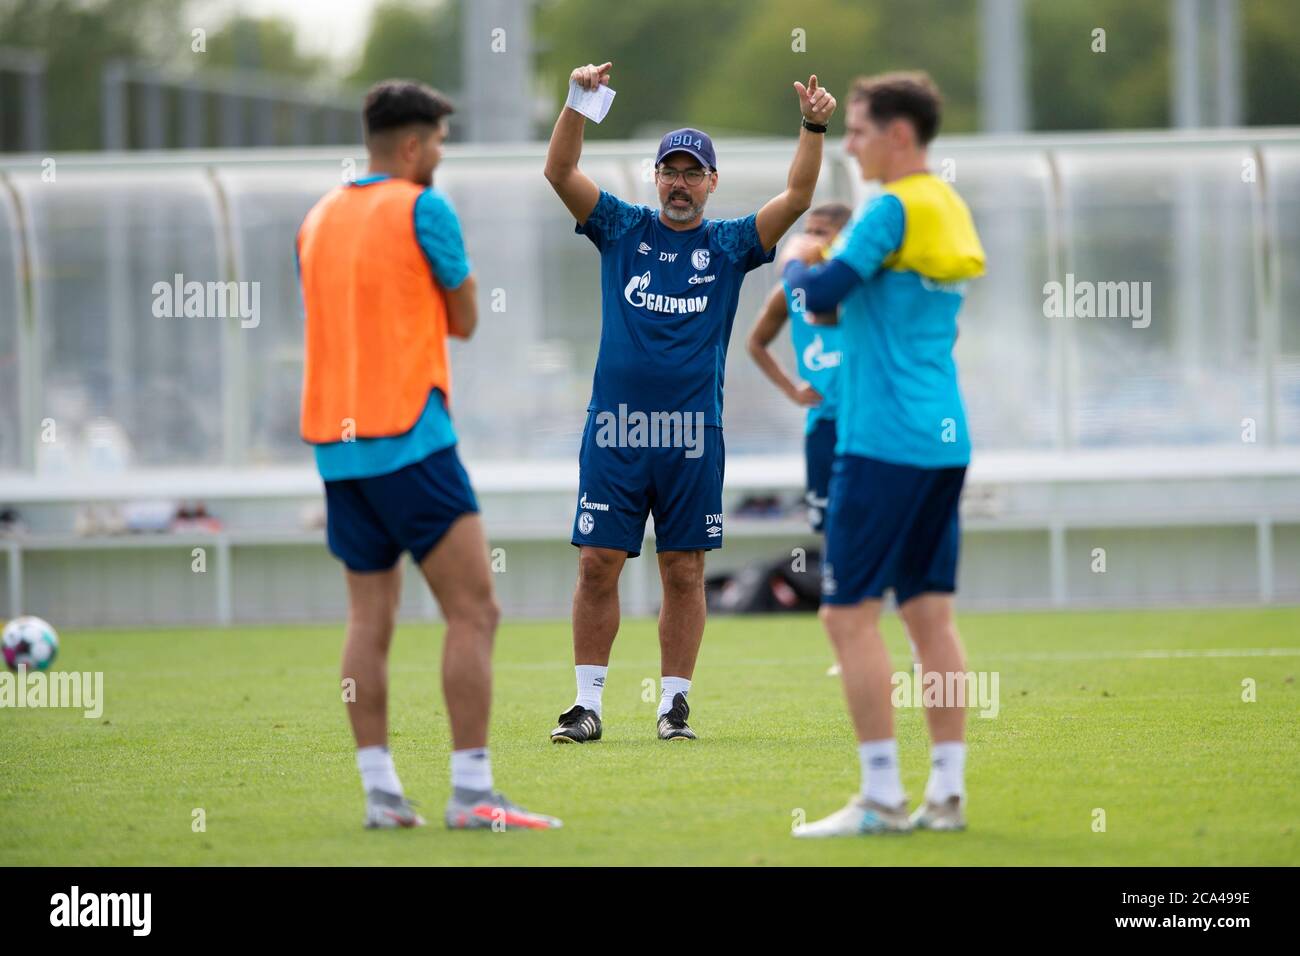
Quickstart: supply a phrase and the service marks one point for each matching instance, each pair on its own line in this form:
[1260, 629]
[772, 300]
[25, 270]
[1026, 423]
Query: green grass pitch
[1138, 714]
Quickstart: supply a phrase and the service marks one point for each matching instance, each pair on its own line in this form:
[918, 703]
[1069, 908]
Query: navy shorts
[371, 521]
[818, 455]
[890, 526]
[619, 486]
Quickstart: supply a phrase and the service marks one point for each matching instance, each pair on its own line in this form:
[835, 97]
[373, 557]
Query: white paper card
[593, 104]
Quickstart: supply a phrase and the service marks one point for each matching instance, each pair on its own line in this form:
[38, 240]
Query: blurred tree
[724, 66]
[1072, 87]
[747, 84]
[1271, 62]
[266, 44]
[78, 38]
[661, 54]
[730, 65]
[413, 40]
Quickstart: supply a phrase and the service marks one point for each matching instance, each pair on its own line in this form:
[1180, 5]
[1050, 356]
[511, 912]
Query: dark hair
[911, 96]
[393, 104]
[836, 212]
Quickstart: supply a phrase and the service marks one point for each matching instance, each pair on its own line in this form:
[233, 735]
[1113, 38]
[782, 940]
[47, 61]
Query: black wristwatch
[814, 127]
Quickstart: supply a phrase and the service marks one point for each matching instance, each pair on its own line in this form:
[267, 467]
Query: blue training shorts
[890, 526]
[618, 487]
[819, 456]
[371, 521]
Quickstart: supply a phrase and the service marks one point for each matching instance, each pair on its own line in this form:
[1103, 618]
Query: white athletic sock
[471, 769]
[591, 684]
[880, 780]
[672, 686]
[377, 771]
[947, 772]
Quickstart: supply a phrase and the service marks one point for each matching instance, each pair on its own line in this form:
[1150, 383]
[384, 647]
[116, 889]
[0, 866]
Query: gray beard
[683, 215]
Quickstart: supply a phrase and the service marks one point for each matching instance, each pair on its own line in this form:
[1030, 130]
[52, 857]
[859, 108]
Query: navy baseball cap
[690, 141]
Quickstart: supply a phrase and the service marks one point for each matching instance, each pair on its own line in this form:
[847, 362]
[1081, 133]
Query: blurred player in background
[670, 283]
[903, 446]
[385, 280]
[817, 360]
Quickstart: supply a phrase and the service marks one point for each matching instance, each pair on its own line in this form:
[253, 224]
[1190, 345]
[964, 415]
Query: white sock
[591, 684]
[471, 769]
[377, 771]
[880, 780]
[947, 772]
[672, 686]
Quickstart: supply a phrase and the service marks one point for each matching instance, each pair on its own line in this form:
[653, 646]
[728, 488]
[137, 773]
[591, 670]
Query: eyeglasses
[693, 176]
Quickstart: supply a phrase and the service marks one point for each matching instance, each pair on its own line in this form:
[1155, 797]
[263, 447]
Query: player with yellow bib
[902, 446]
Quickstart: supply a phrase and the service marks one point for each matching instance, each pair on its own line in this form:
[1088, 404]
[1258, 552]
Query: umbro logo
[644, 249]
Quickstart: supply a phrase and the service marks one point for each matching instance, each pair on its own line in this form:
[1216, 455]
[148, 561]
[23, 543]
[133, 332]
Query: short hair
[836, 212]
[394, 104]
[912, 96]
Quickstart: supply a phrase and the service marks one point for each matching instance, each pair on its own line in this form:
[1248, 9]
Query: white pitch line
[1159, 655]
[652, 666]
[1155, 655]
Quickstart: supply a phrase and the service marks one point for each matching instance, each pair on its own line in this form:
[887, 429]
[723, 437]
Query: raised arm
[576, 189]
[780, 212]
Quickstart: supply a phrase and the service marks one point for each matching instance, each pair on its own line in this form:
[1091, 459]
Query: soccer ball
[31, 643]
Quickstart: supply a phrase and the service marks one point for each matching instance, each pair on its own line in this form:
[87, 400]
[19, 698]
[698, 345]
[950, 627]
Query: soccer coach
[670, 283]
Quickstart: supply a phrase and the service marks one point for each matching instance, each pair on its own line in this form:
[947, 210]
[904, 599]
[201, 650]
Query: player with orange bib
[385, 280]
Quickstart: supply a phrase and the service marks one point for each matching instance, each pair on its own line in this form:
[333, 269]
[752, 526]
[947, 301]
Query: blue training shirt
[817, 352]
[668, 302]
[437, 229]
[900, 280]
